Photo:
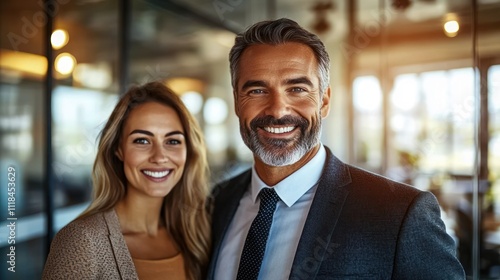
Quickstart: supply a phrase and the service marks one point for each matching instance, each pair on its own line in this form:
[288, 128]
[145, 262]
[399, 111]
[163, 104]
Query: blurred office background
[415, 84]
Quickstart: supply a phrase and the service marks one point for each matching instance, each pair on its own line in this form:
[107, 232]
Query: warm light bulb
[59, 39]
[451, 28]
[65, 63]
[193, 101]
[215, 111]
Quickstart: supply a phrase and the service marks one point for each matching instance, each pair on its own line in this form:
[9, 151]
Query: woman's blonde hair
[185, 207]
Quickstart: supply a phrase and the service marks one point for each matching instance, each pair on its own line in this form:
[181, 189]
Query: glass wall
[407, 100]
[428, 61]
[84, 90]
[22, 140]
[491, 224]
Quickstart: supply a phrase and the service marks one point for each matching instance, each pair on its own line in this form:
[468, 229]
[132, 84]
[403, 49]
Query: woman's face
[153, 150]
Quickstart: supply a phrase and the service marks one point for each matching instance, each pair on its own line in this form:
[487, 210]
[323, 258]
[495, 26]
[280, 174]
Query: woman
[148, 218]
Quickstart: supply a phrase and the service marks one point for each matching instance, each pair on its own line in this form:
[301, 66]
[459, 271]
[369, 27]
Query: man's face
[278, 102]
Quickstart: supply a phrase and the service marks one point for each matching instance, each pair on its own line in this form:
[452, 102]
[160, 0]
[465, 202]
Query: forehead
[153, 114]
[264, 61]
[289, 51]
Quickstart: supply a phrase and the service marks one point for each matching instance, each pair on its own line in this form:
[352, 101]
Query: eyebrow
[140, 131]
[253, 83]
[300, 80]
[294, 81]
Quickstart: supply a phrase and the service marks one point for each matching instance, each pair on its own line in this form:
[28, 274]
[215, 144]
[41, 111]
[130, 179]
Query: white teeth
[156, 174]
[278, 130]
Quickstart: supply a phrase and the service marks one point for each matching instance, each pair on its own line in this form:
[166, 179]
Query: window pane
[85, 91]
[491, 224]
[22, 139]
[367, 98]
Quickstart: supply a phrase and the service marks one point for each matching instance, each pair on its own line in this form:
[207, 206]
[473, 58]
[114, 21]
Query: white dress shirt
[296, 193]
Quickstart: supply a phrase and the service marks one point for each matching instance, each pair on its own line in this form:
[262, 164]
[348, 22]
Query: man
[331, 220]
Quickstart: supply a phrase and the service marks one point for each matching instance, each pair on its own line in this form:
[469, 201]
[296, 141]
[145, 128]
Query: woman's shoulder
[93, 221]
[82, 247]
[90, 226]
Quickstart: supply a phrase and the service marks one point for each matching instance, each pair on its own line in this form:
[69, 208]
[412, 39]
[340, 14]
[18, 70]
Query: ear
[325, 103]
[119, 153]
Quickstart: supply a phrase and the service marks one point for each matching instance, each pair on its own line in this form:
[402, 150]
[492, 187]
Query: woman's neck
[140, 214]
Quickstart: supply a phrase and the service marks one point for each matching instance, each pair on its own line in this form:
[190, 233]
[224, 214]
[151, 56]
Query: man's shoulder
[234, 181]
[363, 182]
[365, 177]
[371, 188]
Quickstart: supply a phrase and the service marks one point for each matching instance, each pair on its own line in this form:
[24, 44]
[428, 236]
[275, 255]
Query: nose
[278, 105]
[158, 154]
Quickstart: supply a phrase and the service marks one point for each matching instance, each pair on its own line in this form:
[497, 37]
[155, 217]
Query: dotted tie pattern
[255, 243]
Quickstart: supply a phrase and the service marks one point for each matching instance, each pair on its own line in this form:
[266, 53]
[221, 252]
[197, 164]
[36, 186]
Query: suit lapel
[227, 198]
[120, 250]
[314, 243]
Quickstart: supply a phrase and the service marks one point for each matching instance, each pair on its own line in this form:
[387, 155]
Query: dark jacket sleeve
[424, 249]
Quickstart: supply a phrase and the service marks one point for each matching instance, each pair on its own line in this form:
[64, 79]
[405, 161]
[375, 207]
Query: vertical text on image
[11, 210]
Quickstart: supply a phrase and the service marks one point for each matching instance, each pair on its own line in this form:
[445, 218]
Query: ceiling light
[65, 63]
[193, 101]
[451, 28]
[215, 111]
[59, 38]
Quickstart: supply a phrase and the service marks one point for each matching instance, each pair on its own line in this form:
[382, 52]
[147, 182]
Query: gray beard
[282, 152]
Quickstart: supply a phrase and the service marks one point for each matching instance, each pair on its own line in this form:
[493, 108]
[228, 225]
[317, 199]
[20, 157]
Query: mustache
[285, 120]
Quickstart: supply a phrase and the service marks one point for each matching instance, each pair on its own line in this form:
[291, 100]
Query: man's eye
[297, 89]
[256, 91]
[141, 141]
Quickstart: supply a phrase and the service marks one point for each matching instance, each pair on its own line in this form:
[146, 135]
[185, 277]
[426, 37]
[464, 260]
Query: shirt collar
[297, 184]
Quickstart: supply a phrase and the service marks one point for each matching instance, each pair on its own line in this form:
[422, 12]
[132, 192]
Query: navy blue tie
[255, 243]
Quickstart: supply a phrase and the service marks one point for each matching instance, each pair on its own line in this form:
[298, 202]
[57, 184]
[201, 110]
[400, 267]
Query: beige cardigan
[90, 248]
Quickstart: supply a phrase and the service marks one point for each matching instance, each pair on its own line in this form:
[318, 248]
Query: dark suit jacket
[360, 226]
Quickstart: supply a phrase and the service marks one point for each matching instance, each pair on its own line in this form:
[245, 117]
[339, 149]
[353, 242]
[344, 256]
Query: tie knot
[268, 199]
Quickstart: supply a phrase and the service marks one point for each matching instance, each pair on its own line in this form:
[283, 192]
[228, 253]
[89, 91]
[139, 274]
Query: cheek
[248, 113]
[132, 158]
[247, 108]
[129, 155]
[179, 157]
[130, 164]
[310, 109]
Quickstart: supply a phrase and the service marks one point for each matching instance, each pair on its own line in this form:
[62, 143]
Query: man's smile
[279, 130]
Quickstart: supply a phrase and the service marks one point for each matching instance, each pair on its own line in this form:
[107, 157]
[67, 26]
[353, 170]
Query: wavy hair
[275, 32]
[185, 208]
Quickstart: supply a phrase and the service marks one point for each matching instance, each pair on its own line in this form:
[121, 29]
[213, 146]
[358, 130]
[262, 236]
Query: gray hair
[275, 32]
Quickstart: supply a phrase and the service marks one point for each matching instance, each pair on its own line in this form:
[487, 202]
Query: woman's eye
[141, 141]
[173, 142]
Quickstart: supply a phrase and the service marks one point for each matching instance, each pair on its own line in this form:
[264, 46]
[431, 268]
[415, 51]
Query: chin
[160, 194]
